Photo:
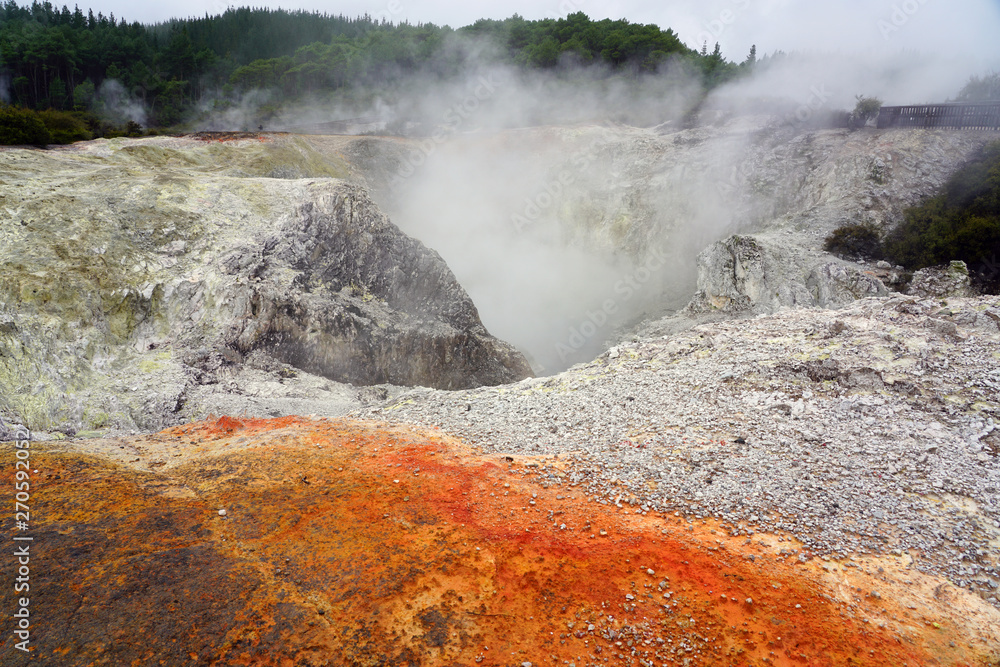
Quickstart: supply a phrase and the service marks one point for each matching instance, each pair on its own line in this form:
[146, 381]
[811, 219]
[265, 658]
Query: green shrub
[865, 110]
[64, 127]
[22, 126]
[133, 129]
[856, 239]
[961, 223]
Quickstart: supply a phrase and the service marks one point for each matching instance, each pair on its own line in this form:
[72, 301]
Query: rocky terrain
[333, 542]
[144, 282]
[870, 429]
[210, 279]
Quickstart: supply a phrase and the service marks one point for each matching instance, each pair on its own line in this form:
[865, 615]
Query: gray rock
[138, 306]
[10, 432]
[941, 281]
[343, 294]
[760, 274]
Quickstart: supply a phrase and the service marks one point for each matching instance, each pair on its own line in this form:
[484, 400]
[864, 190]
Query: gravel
[867, 430]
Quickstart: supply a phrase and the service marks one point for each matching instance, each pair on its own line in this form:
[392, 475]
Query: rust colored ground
[352, 543]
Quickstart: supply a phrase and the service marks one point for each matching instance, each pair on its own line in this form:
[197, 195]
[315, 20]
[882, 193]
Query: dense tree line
[63, 60]
[59, 59]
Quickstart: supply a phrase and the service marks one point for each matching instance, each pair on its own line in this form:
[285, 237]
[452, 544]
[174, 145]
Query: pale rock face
[760, 274]
[153, 281]
[339, 292]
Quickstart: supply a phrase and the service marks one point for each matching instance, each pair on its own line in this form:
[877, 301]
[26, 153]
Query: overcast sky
[957, 27]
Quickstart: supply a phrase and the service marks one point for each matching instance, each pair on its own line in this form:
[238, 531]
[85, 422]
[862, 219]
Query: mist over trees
[981, 89]
[100, 68]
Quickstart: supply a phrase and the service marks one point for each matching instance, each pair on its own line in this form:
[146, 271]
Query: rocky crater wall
[550, 220]
[146, 282]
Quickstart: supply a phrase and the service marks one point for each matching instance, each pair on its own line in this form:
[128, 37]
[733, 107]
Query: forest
[72, 72]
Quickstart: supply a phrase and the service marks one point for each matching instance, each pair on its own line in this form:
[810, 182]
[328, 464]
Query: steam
[548, 199]
[573, 202]
[117, 105]
[556, 214]
[833, 80]
[227, 113]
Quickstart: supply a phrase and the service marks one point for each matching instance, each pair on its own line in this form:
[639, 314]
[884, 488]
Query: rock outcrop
[941, 281]
[146, 282]
[338, 291]
[759, 274]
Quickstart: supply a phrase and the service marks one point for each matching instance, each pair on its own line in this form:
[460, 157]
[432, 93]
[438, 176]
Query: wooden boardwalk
[984, 116]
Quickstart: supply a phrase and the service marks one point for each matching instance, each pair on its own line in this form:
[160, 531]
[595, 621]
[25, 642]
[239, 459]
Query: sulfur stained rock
[140, 276]
[941, 281]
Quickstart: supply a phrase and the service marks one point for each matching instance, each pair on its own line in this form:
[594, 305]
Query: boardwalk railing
[971, 116]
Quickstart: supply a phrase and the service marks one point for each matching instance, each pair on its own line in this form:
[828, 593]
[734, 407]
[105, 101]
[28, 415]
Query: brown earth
[231, 136]
[356, 543]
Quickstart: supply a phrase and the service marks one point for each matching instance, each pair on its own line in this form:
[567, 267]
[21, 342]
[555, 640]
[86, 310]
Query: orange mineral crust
[357, 543]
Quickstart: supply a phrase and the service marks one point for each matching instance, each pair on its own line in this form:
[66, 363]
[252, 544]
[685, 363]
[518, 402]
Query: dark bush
[963, 222]
[856, 239]
[22, 126]
[133, 129]
[65, 127]
[865, 110]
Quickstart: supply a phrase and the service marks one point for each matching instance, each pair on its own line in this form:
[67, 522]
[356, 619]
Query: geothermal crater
[747, 451]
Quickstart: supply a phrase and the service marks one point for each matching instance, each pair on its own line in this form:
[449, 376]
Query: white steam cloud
[116, 104]
[558, 201]
[243, 112]
[526, 183]
[541, 193]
